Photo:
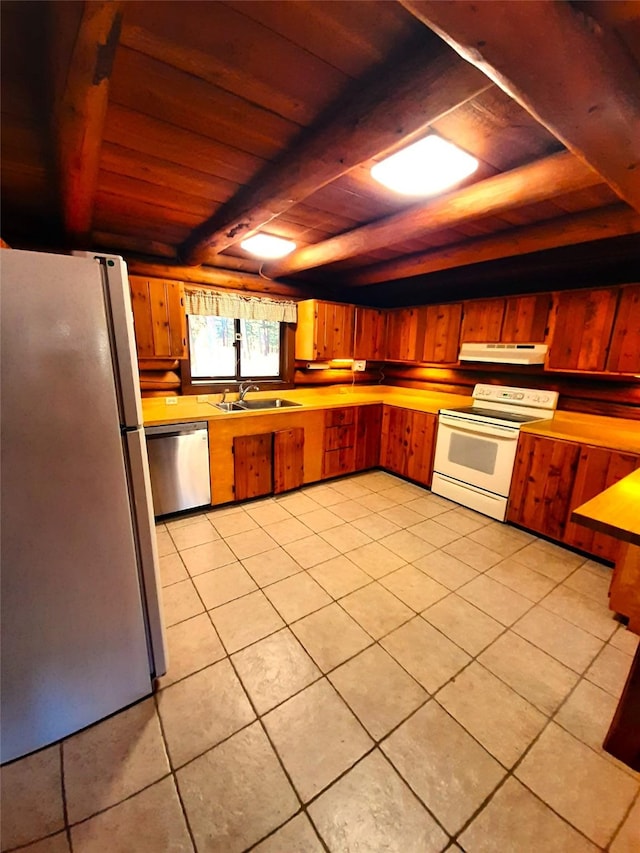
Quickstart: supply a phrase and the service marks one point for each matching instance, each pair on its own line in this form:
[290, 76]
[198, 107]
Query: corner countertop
[157, 411]
[620, 434]
[615, 511]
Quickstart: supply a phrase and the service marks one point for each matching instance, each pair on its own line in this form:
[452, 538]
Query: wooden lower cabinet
[541, 484]
[407, 443]
[552, 477]
[368, 428]
[253, 465]
[288, 459]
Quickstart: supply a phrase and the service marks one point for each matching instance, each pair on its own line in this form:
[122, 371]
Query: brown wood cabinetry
[268, 463]
[370, 334]
[339, 441]
[598, 468]
[582, 329]
[541, 484]
[159, 317]
[288, 459]
[407, 444]
[514, 320]
[624, 352]
[368, 427]
[526, 319]
[253, 465]
[405, 331]
[442, 333]
[324, 331]
[482, 321]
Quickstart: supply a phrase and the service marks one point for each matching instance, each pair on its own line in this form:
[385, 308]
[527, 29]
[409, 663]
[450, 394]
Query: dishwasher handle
[175, 430]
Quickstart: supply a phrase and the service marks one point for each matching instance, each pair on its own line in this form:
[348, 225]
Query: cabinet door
[368, 426]
[624, 353]
[598, 468]
[442, 333]
[541, 484]
[335, 330]
[407, 443]
[421, 447]
[582, 332]
[526, 319]
[159, 317]
[370, 330]
[288, 459]
[252, 465]
[482, 320]
[405, 328]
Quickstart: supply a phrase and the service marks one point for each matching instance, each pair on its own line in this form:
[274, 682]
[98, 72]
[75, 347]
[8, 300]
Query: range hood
[504, 353]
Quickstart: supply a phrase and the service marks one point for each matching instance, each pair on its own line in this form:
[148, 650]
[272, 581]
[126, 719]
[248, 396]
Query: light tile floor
[358, 666]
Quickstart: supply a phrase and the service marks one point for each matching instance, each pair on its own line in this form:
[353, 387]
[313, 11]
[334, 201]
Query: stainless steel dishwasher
[179, 466]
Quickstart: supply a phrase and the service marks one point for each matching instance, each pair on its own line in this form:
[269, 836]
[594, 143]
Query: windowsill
[233, 387]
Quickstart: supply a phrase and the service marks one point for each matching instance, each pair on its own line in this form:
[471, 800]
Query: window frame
[206, 386]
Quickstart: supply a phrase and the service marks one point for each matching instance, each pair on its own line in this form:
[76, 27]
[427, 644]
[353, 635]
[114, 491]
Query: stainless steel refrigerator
[81, 632]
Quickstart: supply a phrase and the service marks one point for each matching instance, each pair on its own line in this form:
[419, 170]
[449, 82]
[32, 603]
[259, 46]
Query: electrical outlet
[359, 365]
[203, 398]
[171, 401]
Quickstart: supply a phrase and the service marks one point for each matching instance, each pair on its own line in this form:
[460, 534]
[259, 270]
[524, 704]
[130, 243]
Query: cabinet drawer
[340, 417]
[339, 436]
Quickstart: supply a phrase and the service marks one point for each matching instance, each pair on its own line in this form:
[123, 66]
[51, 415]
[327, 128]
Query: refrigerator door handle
[142, 513]
[125, 354]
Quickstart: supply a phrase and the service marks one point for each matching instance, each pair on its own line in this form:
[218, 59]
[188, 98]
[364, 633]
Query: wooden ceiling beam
[401, 100]
[81, 112]
[612, 221]
[553, 176]
[573, 75]
[222, 279]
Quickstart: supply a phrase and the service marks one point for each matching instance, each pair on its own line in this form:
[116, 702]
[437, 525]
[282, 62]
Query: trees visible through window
[223, 348]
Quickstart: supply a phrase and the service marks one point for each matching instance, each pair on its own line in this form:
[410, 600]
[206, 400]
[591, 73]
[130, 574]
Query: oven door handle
[467, 425]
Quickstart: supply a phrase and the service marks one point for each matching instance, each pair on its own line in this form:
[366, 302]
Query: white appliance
[82, 632]
[504, 353]
[476, 445]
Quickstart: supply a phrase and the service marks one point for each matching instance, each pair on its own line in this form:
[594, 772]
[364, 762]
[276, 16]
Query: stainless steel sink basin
[256, 405]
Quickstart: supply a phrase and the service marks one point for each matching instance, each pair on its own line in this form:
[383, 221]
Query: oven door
[477, 454]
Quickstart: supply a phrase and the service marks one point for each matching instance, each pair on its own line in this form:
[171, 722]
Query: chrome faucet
[244, 390]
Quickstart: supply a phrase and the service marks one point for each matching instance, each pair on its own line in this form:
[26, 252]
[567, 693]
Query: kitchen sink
[256, 405]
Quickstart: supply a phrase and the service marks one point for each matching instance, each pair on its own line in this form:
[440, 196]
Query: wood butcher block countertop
[616, 433]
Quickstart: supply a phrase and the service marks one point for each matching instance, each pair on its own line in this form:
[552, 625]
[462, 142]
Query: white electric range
[476, 445]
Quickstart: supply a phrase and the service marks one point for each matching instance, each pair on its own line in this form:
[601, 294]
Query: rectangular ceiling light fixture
[267, 246]
[427, 167]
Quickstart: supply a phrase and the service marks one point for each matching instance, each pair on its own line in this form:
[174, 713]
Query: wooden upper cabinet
[624, 352]
[370, 331]
[324, 330]
[405, 331]
[582, 330]
[159, 317]
[482, 321]
[526, 319]
[442, 333]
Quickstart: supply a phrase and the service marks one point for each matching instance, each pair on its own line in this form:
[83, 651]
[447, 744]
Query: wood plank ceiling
[174, 129]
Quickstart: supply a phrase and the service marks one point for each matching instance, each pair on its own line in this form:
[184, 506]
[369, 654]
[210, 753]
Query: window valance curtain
[213, 303]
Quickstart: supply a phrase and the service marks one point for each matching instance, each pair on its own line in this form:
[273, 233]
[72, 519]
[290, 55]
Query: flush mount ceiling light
[268, 246]
[429, 166]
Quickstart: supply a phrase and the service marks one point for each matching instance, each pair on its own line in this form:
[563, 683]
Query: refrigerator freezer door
[74, 644]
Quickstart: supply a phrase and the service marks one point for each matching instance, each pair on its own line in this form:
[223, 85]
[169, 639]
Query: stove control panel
[516, 396]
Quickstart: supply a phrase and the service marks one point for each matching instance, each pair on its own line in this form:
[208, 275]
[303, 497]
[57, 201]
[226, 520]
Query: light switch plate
[171, 401]
[203, 398]
[359, 365]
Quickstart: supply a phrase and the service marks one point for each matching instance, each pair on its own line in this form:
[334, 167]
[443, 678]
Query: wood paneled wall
[611, 396]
